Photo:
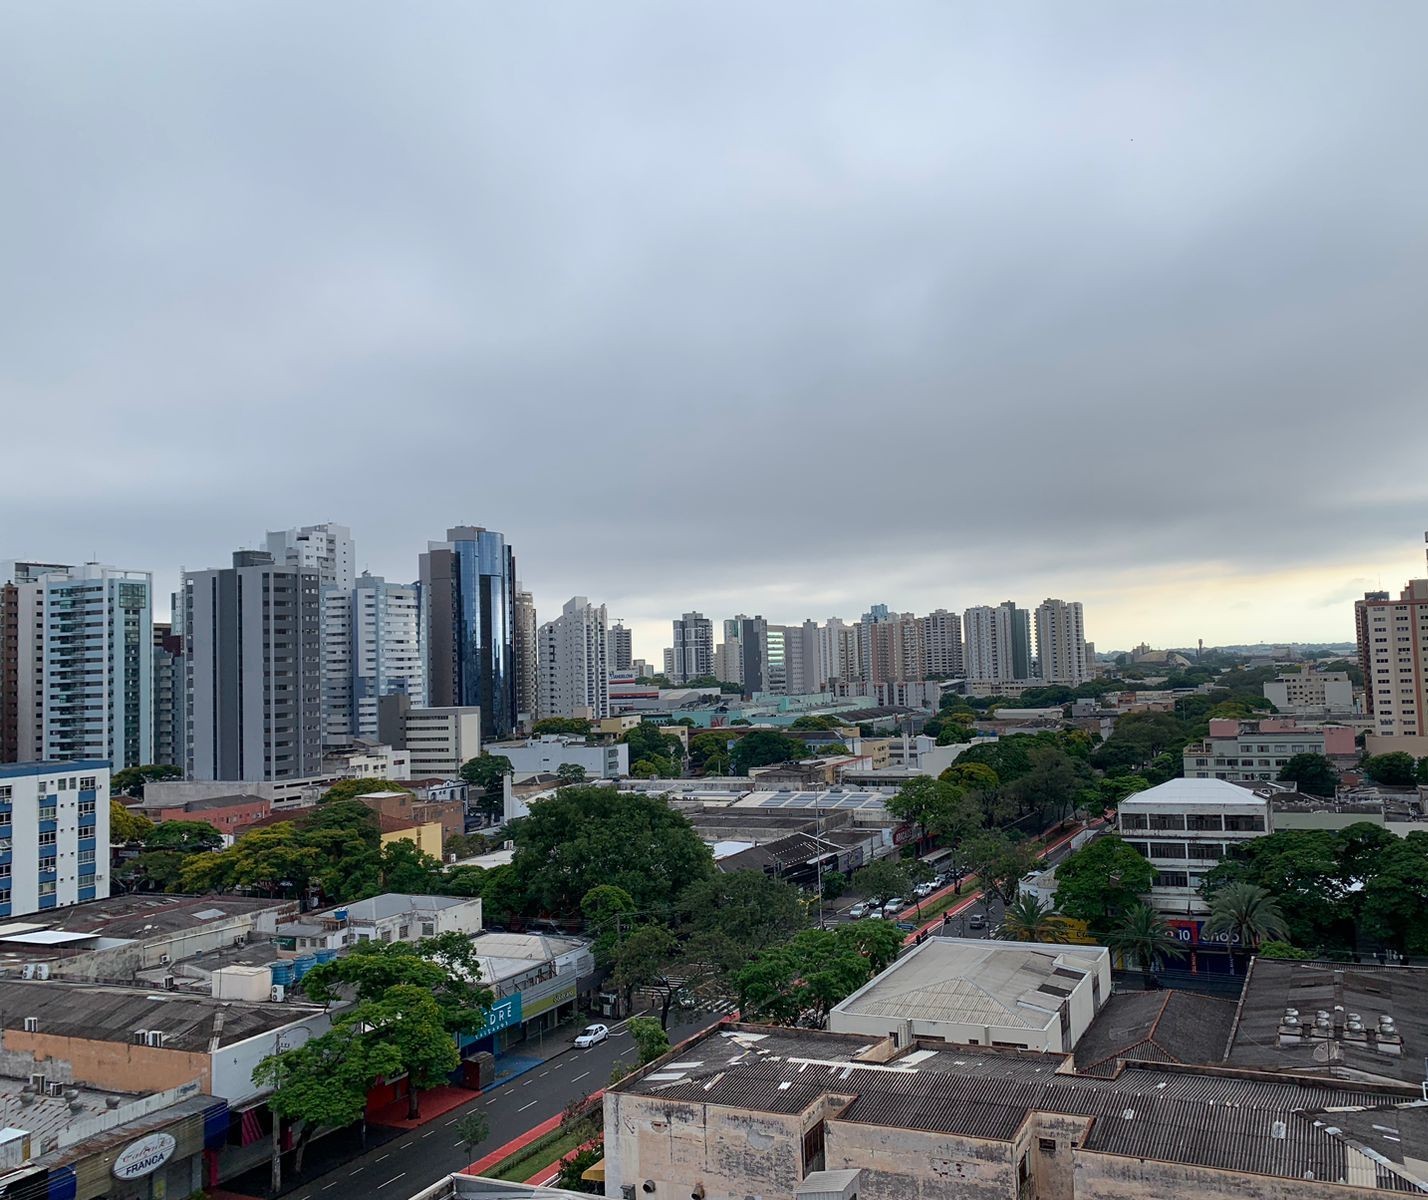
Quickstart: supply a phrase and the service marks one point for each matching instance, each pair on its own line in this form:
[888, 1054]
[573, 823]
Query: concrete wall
[232, 1066]
[103, 1064]
[1119, 1177]
[916, 1165]
[122, 962]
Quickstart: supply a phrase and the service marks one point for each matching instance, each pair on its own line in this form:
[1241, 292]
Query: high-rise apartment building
[838, 650]
[21, 661]
[468, 598]
[56, 821]
[753, 640]
[168, 694]
[253, 658]
[78, 675]
[998, 642]
[326, 549]
[621, 647]
[693, 649]
[1061, 642]
[1393, 652]
[940, 640]
[574, 672]
[526, 644]
[729, 654]
[371, 647]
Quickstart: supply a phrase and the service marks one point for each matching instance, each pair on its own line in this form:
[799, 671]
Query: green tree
[1423, 769]
[650, 1038]
[183, 837]
[569, 773]
[574, 1165]
[1050, 784]
[816, 723]
[323, 1083]
[1248, 912]
[582, 837]
[1144, 939]
[130, 781]
[570, 726]
[954, 733]
[409, 1020]
[1395, 895]
[1395, 769]
[662, 752]
[1282, 950]
[486, 773]
[610, 913]
[706, 746]
[1312, 774]
[473, 1128]
[406, 870]
[350, 789]
[883, 879]
[938, 809]
[1027, 919]
[127, 826]
[1000, 863]
[876, 942]
[763, 748]
[747, 909]
[1104, 878]
[642, 960]
[975, 776]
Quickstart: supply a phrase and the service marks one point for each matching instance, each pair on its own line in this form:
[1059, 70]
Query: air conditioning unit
[42, 970]
[278, 992]
[32, 1024]
[241, 940]
[38, 1082]
[164, 960]
[141, 1037]
[170, 983]
[27, 971]
[155, 1038]
[54, 1088]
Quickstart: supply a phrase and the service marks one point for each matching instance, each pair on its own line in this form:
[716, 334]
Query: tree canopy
[130, 781]
[1312, 774]
[763, 748]
[1105, 877]
[349, 789]
[801, 979]
[571, 726]
[1395, 769]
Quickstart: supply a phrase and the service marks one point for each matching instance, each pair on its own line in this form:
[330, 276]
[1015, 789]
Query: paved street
[402, 1165]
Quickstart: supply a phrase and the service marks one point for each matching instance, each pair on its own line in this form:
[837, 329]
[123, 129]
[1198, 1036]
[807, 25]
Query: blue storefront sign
[504, 1013]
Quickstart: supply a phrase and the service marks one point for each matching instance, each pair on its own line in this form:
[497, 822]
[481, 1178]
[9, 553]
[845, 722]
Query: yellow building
[425, 835]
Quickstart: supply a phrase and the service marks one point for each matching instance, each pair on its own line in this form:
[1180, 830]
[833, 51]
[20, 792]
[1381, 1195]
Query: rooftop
[394, 904]
[1163, 1026]
[1340, 990]
[1195, 791]
[99, 1012]
[966, 981]
[1300, 1129]
[65, 767]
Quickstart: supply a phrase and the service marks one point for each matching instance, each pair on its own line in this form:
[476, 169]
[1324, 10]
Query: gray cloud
[787, 307]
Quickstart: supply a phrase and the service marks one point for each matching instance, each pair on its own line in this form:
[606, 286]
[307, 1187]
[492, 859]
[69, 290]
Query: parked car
[894, 905]
[592, 1035]
[925, 889]
[859, 910]
[976, 921]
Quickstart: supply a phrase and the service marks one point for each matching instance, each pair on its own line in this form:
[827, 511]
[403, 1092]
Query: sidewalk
[435, 1102]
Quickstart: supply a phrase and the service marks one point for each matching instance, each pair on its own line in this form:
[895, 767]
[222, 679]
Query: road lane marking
[578, 1078]
[393, 1179]
[428, 1133]
[532, 1104]
[388, 1154]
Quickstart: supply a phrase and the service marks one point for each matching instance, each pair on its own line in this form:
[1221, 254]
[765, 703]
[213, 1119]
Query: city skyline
[542, 298]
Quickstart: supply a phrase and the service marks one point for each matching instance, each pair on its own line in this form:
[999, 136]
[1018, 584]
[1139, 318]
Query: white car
[859, 910]
[895, 905]
[925, 889]
[592, 1035]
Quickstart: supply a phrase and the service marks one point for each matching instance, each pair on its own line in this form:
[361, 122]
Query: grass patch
[541, 1153]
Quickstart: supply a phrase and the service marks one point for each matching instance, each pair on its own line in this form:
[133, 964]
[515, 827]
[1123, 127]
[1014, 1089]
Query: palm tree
[1143, 938]
[1249, 912]
[1027, 919]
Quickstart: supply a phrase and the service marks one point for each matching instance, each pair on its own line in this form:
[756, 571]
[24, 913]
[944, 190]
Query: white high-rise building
[326, 549]
[84, 667]
[988, 652]
[57, 844]
[837, 651]
[941, 644]
[573, 663]
[1061, 642]
[371, 647]
[692, 654]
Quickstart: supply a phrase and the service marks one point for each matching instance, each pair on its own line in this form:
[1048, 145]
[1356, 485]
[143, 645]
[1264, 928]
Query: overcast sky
[786, 308]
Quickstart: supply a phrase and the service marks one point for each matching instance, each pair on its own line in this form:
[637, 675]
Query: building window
[86, 808]
[47, 837]
[48, 812]
[47, 889]
[5, 792]
[88, 783]
[1046, 1145]
[85, 856]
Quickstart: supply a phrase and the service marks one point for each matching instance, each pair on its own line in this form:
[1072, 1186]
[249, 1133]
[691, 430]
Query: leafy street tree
[569, 773]
[825, 724]
[410, 1020]
[642, 960]
[582, 837]
[573, 1166]
[1105, 877]
[323, 1084]
[936, 808]
[661, 753]
[763, 748]
[650, 1038]
[1396, 769]
[807, 975]
[183, 837]
[1248, 912]
[610, 913]
[1395, 894]
[350, 789]
[883, 879]
[1000, 863]
[1282, 950]
[1050, 785]
[166, 849]
[486, 773]
[1312, 774]
[878, 942]
[571, 726]
[130, 781]
[1027, 919]
[473, 1128]
[1144, 939]
[706, 746]
[748, 911]
[975, 776]
[127, 826]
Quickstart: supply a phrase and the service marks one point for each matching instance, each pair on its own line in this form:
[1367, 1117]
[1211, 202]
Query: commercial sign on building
[145, 1156]
[504, 1013]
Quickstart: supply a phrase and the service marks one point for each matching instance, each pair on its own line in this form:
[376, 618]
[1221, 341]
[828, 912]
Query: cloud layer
[786, 308]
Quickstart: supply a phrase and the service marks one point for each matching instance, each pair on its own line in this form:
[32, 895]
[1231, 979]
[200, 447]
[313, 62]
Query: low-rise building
[1161, 1026]
[390, 917]
[1024, 995]
[1251, 751]
[1310, 693]
[1185, 827]
[54, 835]
[368, 760]
[747, 1110]
[537, 978]
[439, 740]
[547, 754]
[230, 815]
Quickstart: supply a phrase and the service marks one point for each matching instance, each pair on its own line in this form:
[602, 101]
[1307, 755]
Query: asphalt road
[337, 1167]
